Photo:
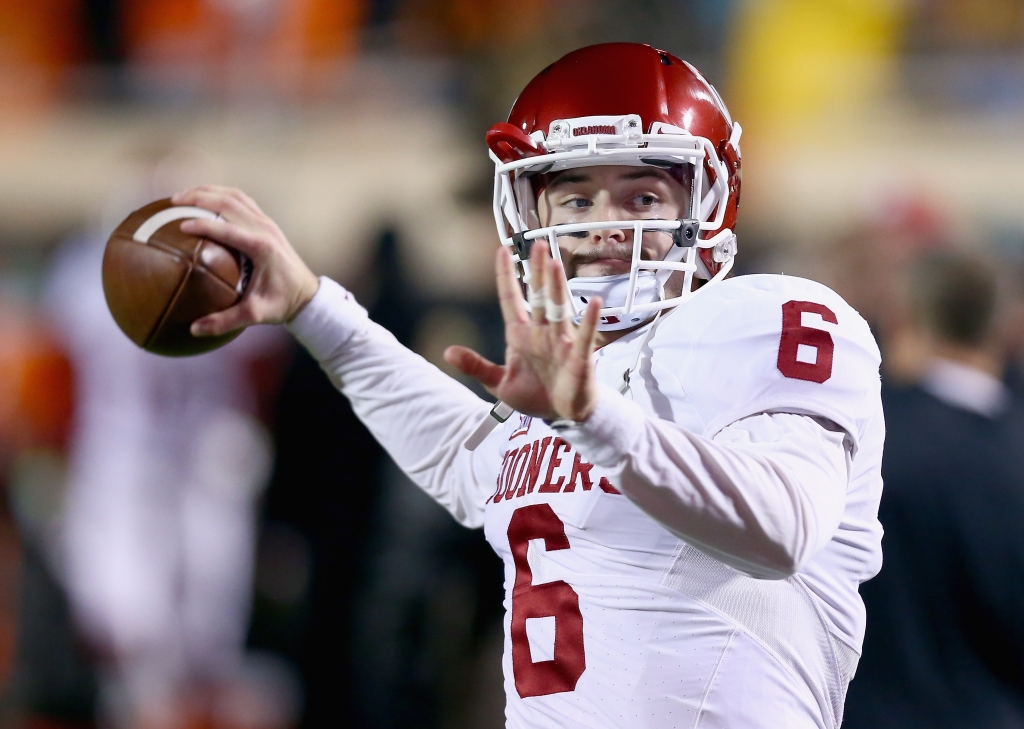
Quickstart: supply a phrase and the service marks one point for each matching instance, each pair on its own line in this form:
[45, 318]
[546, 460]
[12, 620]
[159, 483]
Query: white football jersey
[614, 621]
[615, 616]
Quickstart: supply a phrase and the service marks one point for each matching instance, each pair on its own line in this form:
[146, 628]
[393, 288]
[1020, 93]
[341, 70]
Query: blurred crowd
[217, 542]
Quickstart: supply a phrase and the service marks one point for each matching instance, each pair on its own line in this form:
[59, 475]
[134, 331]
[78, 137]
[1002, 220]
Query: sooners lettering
[563, 470]
[607, 487]
[549, 487]
[533, 472]
[594, 129]
[581, 469]
[510, 457]
[518, 471]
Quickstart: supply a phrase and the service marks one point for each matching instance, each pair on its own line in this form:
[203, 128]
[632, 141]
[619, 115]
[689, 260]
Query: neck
[605, 338]
[673, 289]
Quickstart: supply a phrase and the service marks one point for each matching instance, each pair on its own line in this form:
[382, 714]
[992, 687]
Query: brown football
[158, 280]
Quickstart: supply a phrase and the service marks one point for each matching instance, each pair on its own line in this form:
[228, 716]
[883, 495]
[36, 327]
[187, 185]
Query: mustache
[623, 252]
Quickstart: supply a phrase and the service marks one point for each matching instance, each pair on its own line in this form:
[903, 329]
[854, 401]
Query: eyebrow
[567, 178]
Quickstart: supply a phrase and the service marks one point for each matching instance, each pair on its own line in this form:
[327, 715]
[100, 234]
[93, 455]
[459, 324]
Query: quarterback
[682, 471]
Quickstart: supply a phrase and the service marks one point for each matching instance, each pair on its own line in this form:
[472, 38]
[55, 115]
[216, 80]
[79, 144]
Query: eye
[645, 201]
[578, 203]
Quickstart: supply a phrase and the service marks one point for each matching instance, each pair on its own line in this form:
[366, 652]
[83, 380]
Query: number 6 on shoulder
[805, 353]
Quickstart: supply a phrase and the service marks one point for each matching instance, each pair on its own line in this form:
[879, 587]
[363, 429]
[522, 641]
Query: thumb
[474, 365]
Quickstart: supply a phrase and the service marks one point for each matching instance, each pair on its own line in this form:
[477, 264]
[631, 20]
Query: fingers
[549, 295]
[558, 295]
[281, 283]
[237, 317]
[510, 295]
[230, 234]
[225, 201]
[538, 281]
[583, 345]
[229, 207]
[188, 197]
[470, 363]
[580, 398]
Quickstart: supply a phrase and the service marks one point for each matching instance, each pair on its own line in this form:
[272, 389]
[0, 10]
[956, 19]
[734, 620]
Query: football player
[685, 480]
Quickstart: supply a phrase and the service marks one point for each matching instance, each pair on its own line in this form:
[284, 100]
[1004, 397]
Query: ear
[510, 143]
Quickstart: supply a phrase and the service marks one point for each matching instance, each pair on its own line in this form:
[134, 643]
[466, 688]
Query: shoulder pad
[763, 343]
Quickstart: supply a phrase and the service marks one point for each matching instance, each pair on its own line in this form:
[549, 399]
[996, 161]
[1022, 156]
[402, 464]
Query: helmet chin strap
[614, 292]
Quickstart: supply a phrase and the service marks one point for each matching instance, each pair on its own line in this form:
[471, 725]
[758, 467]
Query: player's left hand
[549, 364]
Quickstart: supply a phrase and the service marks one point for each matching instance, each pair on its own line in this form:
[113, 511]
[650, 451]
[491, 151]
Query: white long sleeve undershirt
[764, 495]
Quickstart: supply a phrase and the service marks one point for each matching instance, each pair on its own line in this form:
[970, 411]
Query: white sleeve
[764, 495]
[420, 415]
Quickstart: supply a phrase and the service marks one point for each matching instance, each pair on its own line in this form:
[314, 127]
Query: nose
[604, 209]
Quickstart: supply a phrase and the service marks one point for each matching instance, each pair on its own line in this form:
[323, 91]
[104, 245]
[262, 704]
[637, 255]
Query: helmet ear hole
[509, 143]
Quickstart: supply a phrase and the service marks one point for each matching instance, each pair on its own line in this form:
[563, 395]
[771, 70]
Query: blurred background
[218, 542]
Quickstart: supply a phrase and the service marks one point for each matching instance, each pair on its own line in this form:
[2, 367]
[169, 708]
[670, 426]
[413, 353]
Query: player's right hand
[281, 282]
[549, 367]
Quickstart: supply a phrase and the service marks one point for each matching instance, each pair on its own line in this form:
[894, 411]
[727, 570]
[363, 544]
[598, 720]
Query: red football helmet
[622, 104]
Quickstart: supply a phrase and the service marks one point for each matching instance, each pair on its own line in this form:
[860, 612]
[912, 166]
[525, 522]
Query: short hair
[954, 296]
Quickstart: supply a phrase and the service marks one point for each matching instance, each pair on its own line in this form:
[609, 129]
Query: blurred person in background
[48, 675]
[869, 266]
[945, 636]
[154, 542]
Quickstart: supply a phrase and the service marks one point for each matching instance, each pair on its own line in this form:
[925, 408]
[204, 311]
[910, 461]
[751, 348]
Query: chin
[603, 269]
